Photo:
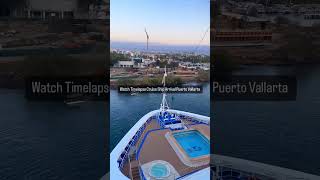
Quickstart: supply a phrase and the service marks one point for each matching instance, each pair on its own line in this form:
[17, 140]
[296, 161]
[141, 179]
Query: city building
[133, 63]
[62, 9]
[242, 36]
[125, 64]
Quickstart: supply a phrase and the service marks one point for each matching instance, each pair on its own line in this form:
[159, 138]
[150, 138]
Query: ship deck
[153, 145]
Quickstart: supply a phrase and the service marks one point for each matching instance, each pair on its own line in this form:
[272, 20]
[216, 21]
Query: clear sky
[174, 22]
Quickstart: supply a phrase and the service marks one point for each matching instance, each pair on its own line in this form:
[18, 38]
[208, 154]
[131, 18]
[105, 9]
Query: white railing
[115, 172]
[260, 170]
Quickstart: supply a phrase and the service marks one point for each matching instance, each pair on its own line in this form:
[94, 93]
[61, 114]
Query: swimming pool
[159, 171]
[193, 143]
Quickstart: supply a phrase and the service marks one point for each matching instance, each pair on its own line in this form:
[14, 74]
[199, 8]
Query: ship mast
[164, 104]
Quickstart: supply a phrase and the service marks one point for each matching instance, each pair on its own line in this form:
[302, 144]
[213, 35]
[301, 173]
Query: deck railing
[226, 173]
[142, 177]
[124, 155]
[188, 171]
[223, 172]
[180, 118]
[135, 139]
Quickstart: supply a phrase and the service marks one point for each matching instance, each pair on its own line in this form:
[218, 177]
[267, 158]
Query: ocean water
[48, 140]
[126, 110]
[155, 47]
[282, 133]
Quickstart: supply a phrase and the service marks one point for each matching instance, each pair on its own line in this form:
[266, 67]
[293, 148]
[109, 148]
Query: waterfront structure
[125, 64]
[242, 36]
[190, 65]
[62, 9]
[251, 15]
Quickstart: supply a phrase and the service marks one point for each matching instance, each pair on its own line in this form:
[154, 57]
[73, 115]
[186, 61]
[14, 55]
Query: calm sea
[48, 140]
[282, 133]
[126, 110]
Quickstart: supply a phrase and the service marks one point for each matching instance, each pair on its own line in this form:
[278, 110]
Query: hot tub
[159, 170]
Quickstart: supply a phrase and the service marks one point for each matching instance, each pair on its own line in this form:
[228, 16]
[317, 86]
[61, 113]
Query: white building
[45, 8]
[147, 62]
[189, 65]
[133, 63]
[125, 64]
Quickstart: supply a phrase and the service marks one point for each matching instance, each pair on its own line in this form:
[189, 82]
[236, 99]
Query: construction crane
[147, 38]
[202, 38]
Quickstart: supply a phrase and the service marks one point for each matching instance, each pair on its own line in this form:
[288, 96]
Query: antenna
[164, 104]
[147, 38]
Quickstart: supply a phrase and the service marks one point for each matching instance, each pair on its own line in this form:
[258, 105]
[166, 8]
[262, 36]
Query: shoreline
[184, 82]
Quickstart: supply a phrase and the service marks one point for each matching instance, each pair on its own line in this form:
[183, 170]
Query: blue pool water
[159, 171]
[193, 143]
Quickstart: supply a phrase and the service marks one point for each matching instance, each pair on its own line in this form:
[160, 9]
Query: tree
[174, 81]
[173, 65]
[203, 76]
[126, 82]
[161, 64]
[116, 57]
